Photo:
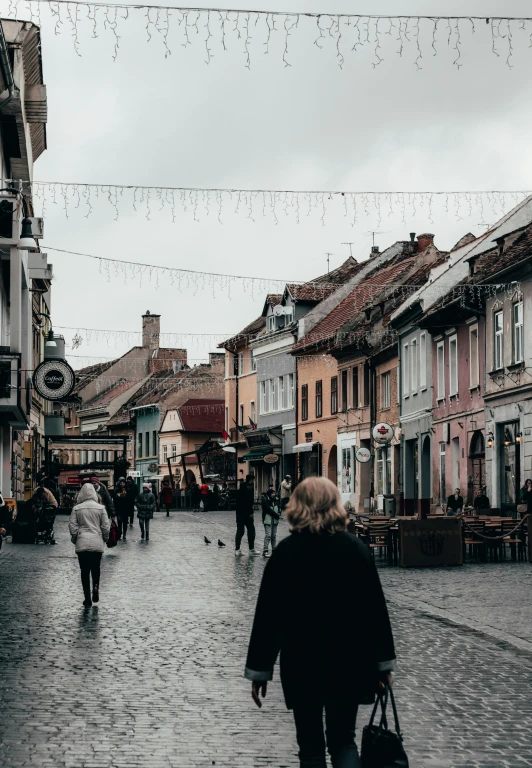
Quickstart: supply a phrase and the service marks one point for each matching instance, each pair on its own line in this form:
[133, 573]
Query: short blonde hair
[315, 506]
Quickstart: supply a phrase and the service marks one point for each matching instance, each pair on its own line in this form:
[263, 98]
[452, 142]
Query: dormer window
[271, 323]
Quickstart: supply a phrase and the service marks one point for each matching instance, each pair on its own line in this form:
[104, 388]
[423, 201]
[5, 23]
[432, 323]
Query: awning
[256, 455]
[304, 447]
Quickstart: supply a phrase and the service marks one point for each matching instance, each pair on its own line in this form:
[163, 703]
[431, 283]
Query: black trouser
[122, 526]
[131, 515]
[340, 720]
[89, 563]
[241, 524]
[168, 506]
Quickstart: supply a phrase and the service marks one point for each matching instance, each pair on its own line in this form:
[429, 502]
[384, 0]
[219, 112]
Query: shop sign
[363, 455]
[72, 480]
[383, 433]
[54, 379]
[271, 458]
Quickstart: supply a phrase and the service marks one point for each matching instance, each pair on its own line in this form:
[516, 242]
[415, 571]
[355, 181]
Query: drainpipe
[372, 412]
[5, 66]
[401, 439]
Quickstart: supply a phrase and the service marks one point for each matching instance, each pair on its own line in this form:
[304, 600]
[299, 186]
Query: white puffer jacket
[89, 524]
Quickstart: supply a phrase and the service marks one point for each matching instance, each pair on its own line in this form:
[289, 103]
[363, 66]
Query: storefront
[310, 459]
[347, 466]
[507, 444]
[264, 457]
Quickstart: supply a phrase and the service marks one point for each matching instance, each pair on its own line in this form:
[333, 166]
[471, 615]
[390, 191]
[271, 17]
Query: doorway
[478, 465]
[425, 477]
[332, 465]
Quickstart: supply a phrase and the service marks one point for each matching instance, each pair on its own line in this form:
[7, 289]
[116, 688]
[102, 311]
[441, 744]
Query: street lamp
[27, 241]
[518, 437]
[490, 439]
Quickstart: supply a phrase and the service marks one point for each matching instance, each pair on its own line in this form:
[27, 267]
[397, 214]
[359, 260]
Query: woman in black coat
[321, 606]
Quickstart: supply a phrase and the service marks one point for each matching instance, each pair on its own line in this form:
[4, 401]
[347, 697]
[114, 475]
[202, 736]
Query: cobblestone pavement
[152, 677]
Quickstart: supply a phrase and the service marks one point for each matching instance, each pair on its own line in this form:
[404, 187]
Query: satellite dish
[278, 310]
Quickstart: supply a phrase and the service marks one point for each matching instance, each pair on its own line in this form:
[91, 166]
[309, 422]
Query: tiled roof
[104, 398]
[493, 262]
[251, 330]
[318, 289]
[202, 415]
[274, 299]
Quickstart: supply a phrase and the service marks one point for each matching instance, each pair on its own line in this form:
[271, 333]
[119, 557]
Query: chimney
[423, 241]
[151, 330]
[374, 250]
[412, 237]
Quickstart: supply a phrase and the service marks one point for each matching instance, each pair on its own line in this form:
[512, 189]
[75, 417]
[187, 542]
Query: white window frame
[498, 341]
[289, 315]
[173, 452]
[289, 390]
[474, 368]
[252, 410]
[518, 337]
[240, 363]
[271, 323]
[262, 397]
[165, 452]
[453, 366]
[406, 370]
[423, 361]
[386, 390]
[252, 361]
[280, 394]
[413, 366]
[272, 395]
[440, 370]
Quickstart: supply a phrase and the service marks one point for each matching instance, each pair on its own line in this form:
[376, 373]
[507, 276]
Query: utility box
[389, 505]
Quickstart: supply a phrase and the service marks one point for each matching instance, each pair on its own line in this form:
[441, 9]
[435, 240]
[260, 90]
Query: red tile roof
[249, 332]
[202, 415]
[493, 262]
[107, 397]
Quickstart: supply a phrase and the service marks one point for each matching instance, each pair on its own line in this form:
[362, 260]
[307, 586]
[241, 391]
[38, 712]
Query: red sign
[73, 480]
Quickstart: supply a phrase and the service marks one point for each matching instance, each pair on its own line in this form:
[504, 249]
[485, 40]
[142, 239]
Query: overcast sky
[147, 119]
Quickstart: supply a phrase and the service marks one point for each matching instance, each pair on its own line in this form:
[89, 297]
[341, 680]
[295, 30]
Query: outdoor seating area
[484, 537]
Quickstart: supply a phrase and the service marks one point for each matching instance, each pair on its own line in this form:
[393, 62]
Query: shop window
[334, 394]
[304, 402]
[347, 470]
[319, 400]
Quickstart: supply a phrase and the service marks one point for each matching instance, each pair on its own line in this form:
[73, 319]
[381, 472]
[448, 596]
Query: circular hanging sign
[363, 455]
[271, 458]
[54, 379]
[383, 433]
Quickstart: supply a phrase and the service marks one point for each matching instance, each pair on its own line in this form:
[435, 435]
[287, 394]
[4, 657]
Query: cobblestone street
[153, 675]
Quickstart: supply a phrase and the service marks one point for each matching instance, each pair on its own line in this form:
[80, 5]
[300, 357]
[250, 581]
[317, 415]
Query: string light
[274, 204]
[215, 30]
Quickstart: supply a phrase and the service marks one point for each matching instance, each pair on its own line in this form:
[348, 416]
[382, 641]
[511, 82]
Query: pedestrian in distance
[204, 492]
[132, 493]
[167, 497]
[245, 502]
[335, 602]
[89, 526]
[525, 496]
[105, 496]
[455, 503]
[481, 501]
[196, 497]
[286, 491]
[121, 506]
[145, 504]
[271, 514]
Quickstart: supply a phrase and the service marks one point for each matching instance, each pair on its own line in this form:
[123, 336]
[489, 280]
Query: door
[332, 465]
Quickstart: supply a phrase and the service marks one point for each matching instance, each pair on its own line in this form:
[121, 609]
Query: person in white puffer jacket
[89, 527]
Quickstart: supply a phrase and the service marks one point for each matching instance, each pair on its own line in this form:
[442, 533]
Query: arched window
[477, 444]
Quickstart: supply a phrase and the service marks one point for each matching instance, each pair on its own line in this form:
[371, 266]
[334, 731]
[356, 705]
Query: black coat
[481, 502]
[245, 500]
[321, 606]
[525, 497]
[455, 503]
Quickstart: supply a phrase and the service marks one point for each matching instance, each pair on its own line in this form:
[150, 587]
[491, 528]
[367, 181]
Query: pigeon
[206, 540]
[220, 543]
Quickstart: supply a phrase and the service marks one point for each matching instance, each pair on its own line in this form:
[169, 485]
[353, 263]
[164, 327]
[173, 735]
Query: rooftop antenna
[350, 248]
[328, 261]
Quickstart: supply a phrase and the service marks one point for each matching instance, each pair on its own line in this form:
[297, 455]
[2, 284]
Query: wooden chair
[378, 537]
[516, 540]
[475, 543]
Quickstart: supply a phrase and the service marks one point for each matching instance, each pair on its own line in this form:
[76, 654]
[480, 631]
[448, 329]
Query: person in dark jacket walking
[104, 495]
[132, 493]
[335, 602]
[245, 500]
[167, 496]
[525, 496]
[196, 497]
[121, 508]
[271, 514]
[145, 504]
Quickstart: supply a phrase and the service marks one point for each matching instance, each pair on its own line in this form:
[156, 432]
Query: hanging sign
[54, 379]
[383, 433]
[271, 458]
[363, 455]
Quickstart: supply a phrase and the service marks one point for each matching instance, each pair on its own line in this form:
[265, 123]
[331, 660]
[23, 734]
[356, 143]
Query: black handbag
[382, 748]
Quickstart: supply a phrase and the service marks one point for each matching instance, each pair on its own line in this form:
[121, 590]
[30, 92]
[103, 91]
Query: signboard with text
[431, 543]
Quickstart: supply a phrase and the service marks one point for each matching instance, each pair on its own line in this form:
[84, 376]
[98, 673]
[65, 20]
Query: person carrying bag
[382, 748]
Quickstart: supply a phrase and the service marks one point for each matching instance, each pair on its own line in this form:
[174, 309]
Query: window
[443, 497]
[406, 369]
[262, 397]
[453, 365]
[304, 402]
[280, 393]
[227, 419]
[290, 390]
[440, 364]
[271, 323]
[139, 451]
[423, 361]
[498, 342]
[288, 315]
[252, 410]
[347, 473]
[240, 363]
[518, 332]
[356, 400]
[381, 457]
[154, 452]
[235, 365]
[241, 408]
[165, 452]
[147, 444]
[273, 395]
[366, 383]
[344, 390]
[173, 452]
[414, 363]
[473, 357]
[319, 400]
[334, 394]
[385, 390]
[253, 361]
